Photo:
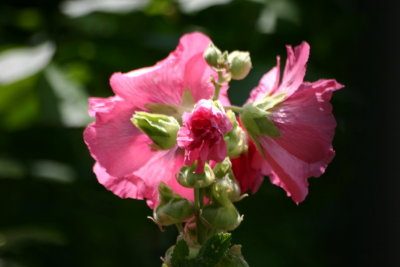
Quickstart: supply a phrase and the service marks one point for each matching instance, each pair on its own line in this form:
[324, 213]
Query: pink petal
[162, 167]
[249, 169]
[165, 82]
[129, 186]
[143, 184]
[304, 149]
[114, 141]
[268, 84]
[295, 68]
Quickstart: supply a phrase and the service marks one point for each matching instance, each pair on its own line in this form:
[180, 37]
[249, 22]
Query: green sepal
[269, 102]
[225, 189]
[161, 129]
[212, 55]
[235, 139]
[172, 208]
[188, 178]
[256, 121]
[222, 217]
[222, 168]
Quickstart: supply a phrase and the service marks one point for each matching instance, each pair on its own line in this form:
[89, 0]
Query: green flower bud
[172, 208]
[161, 129]
[222, 168]
[256, 121]
[225, 190]
[188, 178]
[235, 139]
[222, 217]
[240, 64]
[212, 55]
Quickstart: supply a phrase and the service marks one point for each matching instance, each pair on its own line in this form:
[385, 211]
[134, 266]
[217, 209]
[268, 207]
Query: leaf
[180, 253]
[214, 250]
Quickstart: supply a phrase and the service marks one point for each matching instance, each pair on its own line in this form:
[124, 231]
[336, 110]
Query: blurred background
[54, 54]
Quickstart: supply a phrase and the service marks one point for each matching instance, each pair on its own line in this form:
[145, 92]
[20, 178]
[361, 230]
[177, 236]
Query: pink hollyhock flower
[202, 134]
[305, 122]
[125, 163]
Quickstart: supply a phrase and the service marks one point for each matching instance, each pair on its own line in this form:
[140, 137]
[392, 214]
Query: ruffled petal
[295, 69]
[129, 186]
[304, 149]
[143, 184]
[185, 68]
[114, 141]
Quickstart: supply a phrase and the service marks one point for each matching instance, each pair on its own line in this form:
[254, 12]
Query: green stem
[198, 204]
[217, 85]
[234, 108]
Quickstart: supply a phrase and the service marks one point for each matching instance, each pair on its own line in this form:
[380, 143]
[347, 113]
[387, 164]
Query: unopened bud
[172, 208]
[240, 64]
[161, 129]
[222, 168]
[222, 217]
[225, 190]
[212, 55]
[188, 178]
[235, 139]
[256, 121]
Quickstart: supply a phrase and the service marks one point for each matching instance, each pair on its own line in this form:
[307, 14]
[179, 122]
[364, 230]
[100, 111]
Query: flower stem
[218, 84]
[198, 204]
[234, 108]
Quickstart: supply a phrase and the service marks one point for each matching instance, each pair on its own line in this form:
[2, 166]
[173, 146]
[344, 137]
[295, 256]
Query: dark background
[54, 213]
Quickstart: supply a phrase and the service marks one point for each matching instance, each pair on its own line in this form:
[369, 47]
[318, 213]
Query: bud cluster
[237, 63]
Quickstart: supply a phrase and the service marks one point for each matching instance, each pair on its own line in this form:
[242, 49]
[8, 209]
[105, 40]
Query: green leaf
[213, 250]
[179, 255]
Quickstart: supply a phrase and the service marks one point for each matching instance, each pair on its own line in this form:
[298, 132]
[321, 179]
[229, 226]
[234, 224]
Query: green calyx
[240, 64]
[235, 139]
[212, 55]
[222, 217]
[225, 188]
[172, 208]
[161, 129]
[257, 122]
[188, 178]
